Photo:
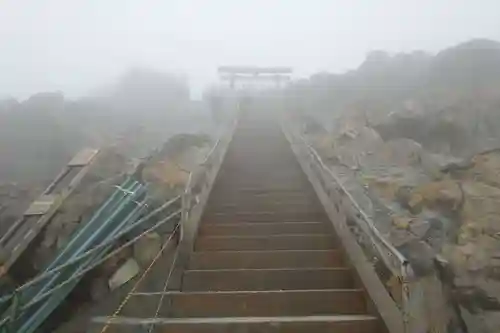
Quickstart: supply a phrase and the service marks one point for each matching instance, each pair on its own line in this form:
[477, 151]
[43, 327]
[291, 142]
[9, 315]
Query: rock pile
[437, 203]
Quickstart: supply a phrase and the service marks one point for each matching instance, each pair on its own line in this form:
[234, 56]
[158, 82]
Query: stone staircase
[265, 259]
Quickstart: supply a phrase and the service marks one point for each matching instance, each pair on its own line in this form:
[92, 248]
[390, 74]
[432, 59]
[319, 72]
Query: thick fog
[75, 46]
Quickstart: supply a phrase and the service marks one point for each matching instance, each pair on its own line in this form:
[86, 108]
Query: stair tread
[246, 292]
[264, 212]
[267, 252]
[247, 303]
[271, 269]
[272, 236]
[277, 223]
[265, 217]
[243, 224]
[322, 318]
[259, 222]
[266, 259]
[267, 279]
[267, 242]
[283, 324]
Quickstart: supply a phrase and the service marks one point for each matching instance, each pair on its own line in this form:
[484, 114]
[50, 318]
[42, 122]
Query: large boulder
[486, 168]
[445, 196]
[167, 170]
[350, 147]
[147, 247]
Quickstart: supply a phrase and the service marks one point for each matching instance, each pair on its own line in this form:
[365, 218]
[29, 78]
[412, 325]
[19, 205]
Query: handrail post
[405, 299]
[185, 206]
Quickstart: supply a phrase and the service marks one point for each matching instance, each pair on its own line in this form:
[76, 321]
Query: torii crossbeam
[234, 74]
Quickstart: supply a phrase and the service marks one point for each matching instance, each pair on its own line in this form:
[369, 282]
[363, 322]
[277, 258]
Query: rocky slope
[416, 139]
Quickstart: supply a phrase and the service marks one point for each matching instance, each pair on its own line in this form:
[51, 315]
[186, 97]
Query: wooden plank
[42, 205]
[15, 250]
[274, 242]
[83, 157]
[266, 279]
[265, 259]
[337, 324]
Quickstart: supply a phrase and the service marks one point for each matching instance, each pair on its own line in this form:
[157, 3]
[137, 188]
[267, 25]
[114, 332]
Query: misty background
[401, 99]
[78, 46]
[130, 74]
[93, 73]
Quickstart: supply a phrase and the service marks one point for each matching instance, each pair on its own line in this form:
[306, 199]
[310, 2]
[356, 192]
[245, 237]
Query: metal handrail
[195, 175]
[365, 216]
[401, 258]
[401, 268]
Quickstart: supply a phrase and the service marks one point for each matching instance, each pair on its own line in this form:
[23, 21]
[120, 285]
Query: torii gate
[253, 74]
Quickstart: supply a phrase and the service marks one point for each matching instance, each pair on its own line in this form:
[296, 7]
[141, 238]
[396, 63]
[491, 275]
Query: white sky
[76, 45]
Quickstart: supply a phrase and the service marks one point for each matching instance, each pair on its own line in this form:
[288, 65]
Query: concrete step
[265, 259]
[260, 243]
[264, 229]
[309, 324]
[265, 217]
[267, 279]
